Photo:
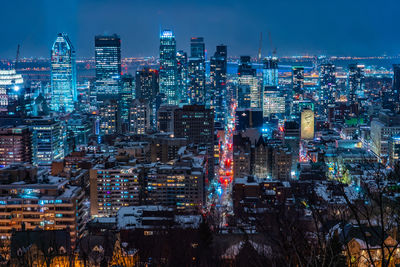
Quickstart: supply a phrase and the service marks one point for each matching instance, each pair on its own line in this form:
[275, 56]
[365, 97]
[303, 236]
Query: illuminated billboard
[307, 124]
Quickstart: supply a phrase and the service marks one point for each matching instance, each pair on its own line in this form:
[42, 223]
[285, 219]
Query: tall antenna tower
[16, 58]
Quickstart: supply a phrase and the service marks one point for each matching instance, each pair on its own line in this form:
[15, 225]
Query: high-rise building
[281, 163]
[248, 91]
[47, 141]
[394, 150]
[108, 66]
[139, 116]
[165, 118]
[63, 75]
[327, 82]
[15, 145]
[270, 71]
[197, 71]
[182, 75]
[196, 123]
[168, 67]
[291, 139]
[81, 127]
[179, 184]
[11, 88]
[273, 101]
[164, 147]
[109, 118]
[382, 129]
[298, 80]
[248, 118]
[218, 93]
[355, 82]
[147, 81]
[127, 94]
[108, 82]
[112, 187]
[147, 84]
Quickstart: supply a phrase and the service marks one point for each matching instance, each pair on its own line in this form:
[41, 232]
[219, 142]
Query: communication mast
[273, 49]
[16, 58]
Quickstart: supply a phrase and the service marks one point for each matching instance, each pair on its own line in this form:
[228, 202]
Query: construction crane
[16, 58]
[273, 49]
[260, 48]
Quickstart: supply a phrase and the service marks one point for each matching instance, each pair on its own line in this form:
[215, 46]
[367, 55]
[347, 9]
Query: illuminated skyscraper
[108, 83]
[273, 100]
[168, 67]
[327, 82]
[197, 71]
[127, 94]
[355, 82]
[270, 71]
[298, 80]
[63, 75]
[147, 90]
[182, 67]
[108, 66]
[248, 91]
[218, 69]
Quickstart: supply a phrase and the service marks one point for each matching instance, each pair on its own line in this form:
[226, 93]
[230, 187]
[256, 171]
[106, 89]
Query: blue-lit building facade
[11, 88]
[127, 93]
[47, 141]
[182, 76]
[108, 66]
[218, 69]
[248, 92]
[270, 71]
[168, 67]
[63, 75]
[273, 100]
[327, 83]
[108, 83]
[355, 82]
[197, 71]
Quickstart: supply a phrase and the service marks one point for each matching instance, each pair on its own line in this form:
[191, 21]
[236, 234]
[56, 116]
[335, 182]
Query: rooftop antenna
[273, 49]
[260, 48]
[16, 58]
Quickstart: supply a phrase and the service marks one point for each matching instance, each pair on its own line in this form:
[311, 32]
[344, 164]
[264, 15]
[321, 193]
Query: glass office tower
[218, 69]
[63, 75]
[168, 67]
[197, 71]
[108, 66]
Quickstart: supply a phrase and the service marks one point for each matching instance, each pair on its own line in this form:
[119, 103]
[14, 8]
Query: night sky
[337, 27]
